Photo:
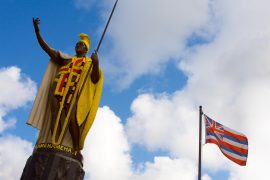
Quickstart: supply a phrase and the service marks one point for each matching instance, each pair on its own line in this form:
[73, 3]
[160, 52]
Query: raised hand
[94, 58]
[42, 43]
[36, 22]
[95, 70]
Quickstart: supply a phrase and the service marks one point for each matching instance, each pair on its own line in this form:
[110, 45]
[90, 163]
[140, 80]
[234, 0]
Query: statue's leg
[54, 105]
[74, 130]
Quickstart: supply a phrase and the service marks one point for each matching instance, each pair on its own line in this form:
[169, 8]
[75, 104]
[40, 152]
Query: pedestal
[53, 164]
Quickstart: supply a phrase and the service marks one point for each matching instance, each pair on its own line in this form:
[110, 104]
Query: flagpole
[200, 142]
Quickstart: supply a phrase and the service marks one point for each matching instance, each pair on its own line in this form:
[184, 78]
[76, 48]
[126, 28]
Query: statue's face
[80, 48]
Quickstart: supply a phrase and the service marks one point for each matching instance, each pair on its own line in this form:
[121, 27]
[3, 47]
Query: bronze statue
[63, 111]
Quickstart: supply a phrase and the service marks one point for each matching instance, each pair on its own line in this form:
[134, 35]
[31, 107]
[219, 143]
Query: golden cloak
[87, 106]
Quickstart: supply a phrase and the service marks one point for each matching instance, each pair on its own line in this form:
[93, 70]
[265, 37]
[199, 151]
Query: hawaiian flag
[232, 144]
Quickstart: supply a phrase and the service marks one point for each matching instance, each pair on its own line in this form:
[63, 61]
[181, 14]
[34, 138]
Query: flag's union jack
[232, 144]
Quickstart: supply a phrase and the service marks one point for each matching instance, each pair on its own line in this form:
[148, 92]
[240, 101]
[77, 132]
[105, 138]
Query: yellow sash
[87, 105]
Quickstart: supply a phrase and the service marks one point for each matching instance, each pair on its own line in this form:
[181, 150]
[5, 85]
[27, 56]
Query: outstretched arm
[42, 43]
[95, 70]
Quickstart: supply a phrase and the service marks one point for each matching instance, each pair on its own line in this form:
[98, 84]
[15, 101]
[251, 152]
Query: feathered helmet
[85, 39]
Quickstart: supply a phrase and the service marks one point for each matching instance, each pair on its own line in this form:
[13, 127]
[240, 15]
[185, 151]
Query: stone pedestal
[52, 164]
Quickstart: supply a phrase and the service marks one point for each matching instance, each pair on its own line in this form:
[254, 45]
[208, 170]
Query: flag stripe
[234, 132]
[211, 137]
[237, 159]
[240, 162]
[212, 141]
[212, 134]
[235, 140]
[238, 149]
[236, 144]
[240, 137]
[208, 133]
[225, 151]
[234, 155]
[232, 151]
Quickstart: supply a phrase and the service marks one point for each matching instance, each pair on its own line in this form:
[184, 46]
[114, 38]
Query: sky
[161, 61]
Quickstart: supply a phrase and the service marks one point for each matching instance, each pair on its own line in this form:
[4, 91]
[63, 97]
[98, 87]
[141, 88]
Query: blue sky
[161, 60]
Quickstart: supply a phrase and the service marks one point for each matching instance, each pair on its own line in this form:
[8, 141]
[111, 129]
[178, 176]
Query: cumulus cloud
[159, 118]
[106, 151]
[17, 91]
[16, 85]
[164, 168]
[6, 124]
[206, 177]
[107, 155]
[14, 152]
[147, 34]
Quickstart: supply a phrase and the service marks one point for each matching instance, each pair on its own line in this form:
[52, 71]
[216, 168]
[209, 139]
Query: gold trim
[56, 147]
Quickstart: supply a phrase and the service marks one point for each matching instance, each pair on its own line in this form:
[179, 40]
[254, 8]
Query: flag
[232, 144]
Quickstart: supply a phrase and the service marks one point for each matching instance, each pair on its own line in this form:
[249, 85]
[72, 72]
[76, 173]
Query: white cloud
[16, 91]
[6, 124]
[164, 122]
[16, 85]
[106, 151]
[147, 34]
[14, 152]
[164, 168]
[206, 177]
[107, 155]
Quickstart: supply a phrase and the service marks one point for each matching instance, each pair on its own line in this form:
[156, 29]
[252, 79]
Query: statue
[63, 111]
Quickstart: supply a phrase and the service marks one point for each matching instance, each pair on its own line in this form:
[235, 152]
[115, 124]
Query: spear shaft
[108, 22]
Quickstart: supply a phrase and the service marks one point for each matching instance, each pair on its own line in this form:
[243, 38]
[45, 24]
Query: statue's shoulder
[64, 56]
